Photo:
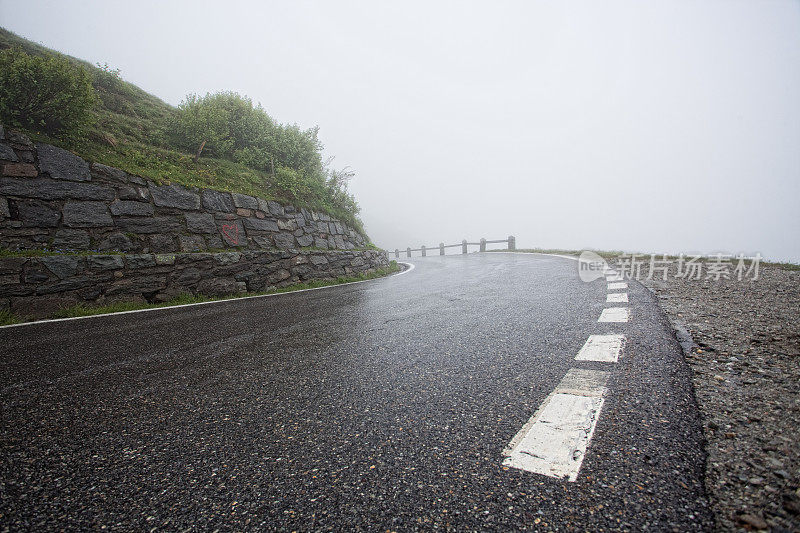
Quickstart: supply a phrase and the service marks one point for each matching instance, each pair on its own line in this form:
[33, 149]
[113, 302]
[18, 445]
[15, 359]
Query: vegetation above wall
[221, 140]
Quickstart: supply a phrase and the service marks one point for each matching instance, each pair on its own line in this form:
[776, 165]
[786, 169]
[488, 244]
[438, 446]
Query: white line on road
[614, 277]
[615, 286]
[554, 440]
[603, 348]
[617, 297]
[615, 314]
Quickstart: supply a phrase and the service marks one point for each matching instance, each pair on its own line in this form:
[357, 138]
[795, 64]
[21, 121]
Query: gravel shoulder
[746, 374]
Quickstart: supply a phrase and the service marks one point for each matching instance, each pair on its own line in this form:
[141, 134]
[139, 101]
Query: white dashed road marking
[614, 277]
[617, 297]
[615, 314]
[604, 348]
[554, 440]
[615, 286]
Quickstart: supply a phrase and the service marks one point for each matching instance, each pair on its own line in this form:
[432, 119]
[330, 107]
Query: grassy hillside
[130, 132]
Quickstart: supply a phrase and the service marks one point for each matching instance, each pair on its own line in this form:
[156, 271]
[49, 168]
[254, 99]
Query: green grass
[188, 298]
[130, 134]
[7, 317]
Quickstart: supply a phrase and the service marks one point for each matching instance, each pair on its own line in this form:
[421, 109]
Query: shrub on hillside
[46, 93]
[228, 126]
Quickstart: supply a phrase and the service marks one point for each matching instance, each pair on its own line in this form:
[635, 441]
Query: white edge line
[50, 320]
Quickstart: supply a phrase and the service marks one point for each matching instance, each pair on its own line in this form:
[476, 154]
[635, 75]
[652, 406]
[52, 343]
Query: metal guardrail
[512, 245]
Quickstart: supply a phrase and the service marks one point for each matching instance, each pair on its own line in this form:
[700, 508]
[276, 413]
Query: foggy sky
[642, 126]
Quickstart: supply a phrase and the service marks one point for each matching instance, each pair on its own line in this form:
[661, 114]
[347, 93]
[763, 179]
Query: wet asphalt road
[378, 406]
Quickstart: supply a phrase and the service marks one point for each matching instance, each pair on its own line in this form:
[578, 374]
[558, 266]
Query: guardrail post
[441, 248]
[464, 246]
[423, 250]
[408, 251]
[396, 253]
[512, 243]
[483, 245]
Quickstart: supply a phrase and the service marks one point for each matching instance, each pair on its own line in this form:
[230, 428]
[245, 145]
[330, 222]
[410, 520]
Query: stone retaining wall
[53, 199]
[39, 286]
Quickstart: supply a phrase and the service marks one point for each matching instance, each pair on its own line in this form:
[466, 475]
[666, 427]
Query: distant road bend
[467, 393]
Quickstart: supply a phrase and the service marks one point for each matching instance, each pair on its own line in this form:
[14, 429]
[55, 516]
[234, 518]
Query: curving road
[384, 405]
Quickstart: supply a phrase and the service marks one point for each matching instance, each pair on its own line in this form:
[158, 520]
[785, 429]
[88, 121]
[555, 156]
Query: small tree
[204, 125]
[44, 92]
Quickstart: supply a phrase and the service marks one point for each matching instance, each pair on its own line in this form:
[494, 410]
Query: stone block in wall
[162, 243]
[217, 287]
[284, 240]
[175, 196]
[7, 153]
[132, 193]
[4, 211]
[305, 240]
[318, 260]
[12, 265]
[20, 170]
[262, 241]
[137, 285]
[275, 209]
[191, 243]
[244, 201]
[137, 261]
[319, 242]
[65, 285]
[86, 215]
[99, 263]
[259, 224]
[116, 242]
[214, 241]
[10, 286]
[218, 201]
[289, 224]
[60, 164]
[232, 232]
[131, 208]
[110, 173]
[148, 225]
[37, 214]
[279, 275]
[36, 274]
[18, 140]
[63, 266]
[186, 277]
[47, 189]
[70, 239]
[301, 271]
[230, 271]
[227, 258]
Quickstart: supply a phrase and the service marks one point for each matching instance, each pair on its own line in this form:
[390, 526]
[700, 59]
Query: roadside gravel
[746, 373]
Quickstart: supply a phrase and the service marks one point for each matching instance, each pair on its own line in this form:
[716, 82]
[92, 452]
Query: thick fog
[667, 126]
